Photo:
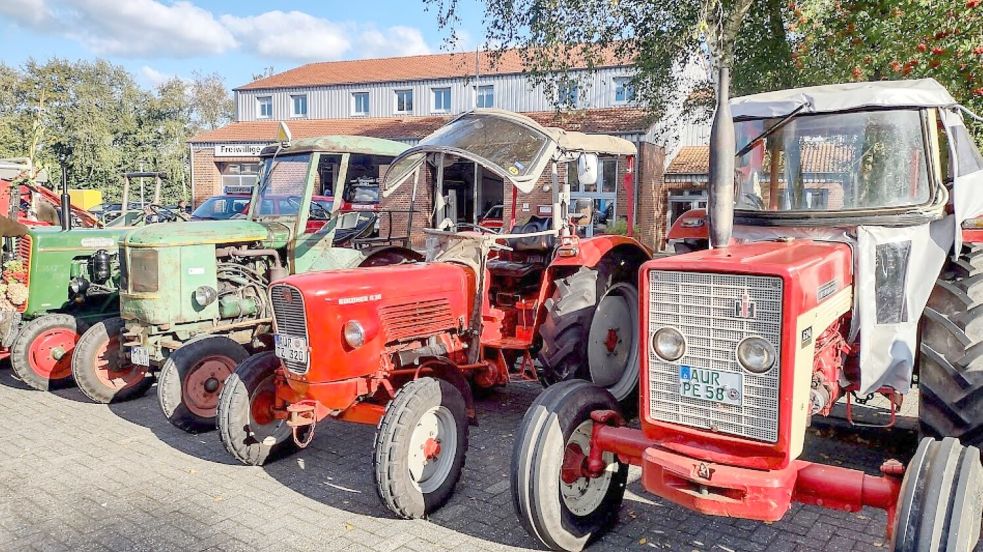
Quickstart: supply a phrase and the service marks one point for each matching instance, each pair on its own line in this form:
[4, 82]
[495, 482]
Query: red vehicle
[689, 232]
[494, 218]
[749, 340]
[25, 200]
[398, 346]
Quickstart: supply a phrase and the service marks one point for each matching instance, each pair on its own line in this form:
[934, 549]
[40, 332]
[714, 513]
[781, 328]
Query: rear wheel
[191, 380]
[554, 501]
[41, 356]
[590, 333]
[102, 372]
[420, 446]
[950, 377]
[246, 422]
[941, 499]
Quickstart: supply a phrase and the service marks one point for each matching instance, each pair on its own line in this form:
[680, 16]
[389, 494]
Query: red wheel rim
[50, 354]
[261, 404]
[114, 372]
[203, 384]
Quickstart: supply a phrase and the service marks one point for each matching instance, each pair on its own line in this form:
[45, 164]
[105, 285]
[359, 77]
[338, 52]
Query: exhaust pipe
[720, 200]
[66, 200]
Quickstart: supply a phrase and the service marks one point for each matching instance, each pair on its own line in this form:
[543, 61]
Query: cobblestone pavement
[80, 476]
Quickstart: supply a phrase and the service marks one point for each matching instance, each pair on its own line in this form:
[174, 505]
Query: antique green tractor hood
[53, 238]
[208, 232]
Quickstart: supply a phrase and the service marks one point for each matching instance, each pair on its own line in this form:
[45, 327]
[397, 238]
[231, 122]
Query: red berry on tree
[857, 73]
[938, 51]
[922, 47]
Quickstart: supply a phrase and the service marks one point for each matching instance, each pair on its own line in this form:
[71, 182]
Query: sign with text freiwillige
[238, 150]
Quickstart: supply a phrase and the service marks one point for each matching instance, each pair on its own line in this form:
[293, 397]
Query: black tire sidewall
[392, 442]
[170, 381]
[20, 363]
[84, 361]
[539, 452]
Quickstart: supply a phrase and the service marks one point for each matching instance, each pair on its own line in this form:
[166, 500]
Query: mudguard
[590, 251]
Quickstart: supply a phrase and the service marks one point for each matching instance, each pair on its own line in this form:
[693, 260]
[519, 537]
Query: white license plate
[290, 348]
[140, 356]
[711, 385]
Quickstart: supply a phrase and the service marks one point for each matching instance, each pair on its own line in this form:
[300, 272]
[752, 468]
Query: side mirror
[587, 169]
[582, 212]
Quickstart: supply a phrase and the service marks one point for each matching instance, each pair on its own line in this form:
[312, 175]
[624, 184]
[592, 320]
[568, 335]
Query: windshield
[833, 162]
[284, 179]
[514, 147]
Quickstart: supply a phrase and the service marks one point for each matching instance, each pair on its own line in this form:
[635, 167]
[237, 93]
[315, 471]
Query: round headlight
[669, 344]
[354, 334]
[205, 295]
[756, 354]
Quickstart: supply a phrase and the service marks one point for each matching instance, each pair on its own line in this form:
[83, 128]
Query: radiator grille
[417, 319]
[290, 318]
[705, 309]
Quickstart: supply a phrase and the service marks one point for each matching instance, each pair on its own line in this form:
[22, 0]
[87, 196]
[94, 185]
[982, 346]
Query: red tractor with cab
[401, 347]
[849, 273]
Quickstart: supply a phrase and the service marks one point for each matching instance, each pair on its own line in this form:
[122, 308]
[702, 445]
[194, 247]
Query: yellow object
[85, 199]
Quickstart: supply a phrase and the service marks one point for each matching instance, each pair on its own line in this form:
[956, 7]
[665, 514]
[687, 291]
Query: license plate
[290, 348]
[140, 356]
[711, 385]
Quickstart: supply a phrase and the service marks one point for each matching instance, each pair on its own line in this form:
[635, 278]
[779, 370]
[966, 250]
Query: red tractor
[849, 199]
[401, 346]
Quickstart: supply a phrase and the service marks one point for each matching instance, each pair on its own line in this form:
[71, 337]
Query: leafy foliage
[93, 119]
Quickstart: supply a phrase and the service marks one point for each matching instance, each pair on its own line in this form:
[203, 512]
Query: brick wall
[207, 178]
[651, 212]
[400, 201]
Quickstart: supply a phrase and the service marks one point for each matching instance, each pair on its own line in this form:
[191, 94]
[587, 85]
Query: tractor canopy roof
[843, 97]
[511, 145]
[337, 144]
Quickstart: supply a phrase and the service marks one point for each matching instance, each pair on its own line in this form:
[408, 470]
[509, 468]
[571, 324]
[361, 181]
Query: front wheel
[562, 508]
[941, 500]
[102, 372]
[191, 380]
[420, 446]
[41, 356]
[247, 424]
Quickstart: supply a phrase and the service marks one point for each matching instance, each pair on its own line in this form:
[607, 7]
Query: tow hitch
[302, 419]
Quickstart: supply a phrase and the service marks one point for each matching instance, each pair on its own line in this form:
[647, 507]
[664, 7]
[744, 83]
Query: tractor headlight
[756, 354]
[669, 344]
[354, 334]
[205, 295]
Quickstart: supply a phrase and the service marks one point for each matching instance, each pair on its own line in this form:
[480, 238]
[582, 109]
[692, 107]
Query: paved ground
[79, 476]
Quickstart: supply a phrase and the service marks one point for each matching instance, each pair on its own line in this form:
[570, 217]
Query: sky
[160, 39]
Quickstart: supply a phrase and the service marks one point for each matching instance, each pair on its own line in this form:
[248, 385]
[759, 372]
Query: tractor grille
[22, 273]
[290, 318]
[705, 308]
[417, 319]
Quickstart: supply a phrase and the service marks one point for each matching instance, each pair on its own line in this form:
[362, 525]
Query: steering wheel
[478, 227]
[163, 213]
[754, 201]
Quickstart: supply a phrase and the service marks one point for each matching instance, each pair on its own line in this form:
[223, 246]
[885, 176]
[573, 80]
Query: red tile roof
[816, 158]
[600, 121]
[422, 67]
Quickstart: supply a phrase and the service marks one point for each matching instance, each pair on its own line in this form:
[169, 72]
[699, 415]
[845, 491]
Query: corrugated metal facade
[512, 92]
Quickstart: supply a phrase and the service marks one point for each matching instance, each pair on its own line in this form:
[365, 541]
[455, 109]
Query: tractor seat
[362, 228]
[534, 243]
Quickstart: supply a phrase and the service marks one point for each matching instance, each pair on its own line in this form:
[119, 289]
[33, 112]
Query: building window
[623, 90]
[404, 101]
[360, 103]
[264, 107]
[567, 94]
[239, 177]
[486, 96]
[298, 106]
[441, 100]
[817, 198]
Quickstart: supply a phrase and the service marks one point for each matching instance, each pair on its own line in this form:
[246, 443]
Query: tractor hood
[83, 239]
[206, 232]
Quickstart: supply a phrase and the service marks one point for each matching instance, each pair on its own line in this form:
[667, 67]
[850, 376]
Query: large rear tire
[191, 381]
[420, 446]
[590, 333]
[100, 371]
[941, 499]
[41, 356]
[950, 378]
[561, 515]
[246, 424]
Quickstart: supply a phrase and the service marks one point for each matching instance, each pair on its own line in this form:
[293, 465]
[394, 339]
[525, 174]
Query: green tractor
[56, 282]
[193, 300]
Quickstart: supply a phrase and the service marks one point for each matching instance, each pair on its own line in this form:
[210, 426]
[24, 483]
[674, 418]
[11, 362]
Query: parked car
[494, 218]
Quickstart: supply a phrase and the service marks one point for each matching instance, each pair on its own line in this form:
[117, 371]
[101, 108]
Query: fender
[388, 255]
[691, 225]
[591, 251]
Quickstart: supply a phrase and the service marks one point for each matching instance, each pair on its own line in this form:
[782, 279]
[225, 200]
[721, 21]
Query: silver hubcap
[612, 350]
[585, 495]
[433, 446]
